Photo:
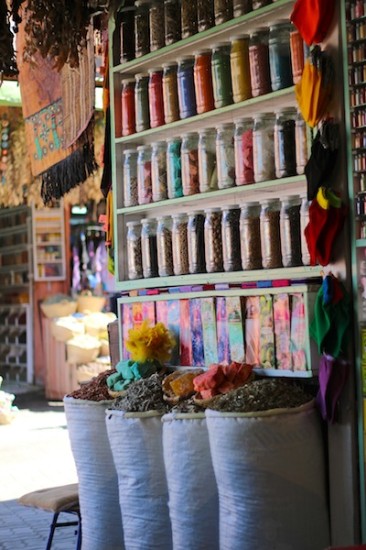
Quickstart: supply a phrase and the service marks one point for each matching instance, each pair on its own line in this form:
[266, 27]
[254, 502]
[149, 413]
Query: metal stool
[64, 499]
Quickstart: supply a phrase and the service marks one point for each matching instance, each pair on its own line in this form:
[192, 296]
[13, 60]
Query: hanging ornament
[4, 148]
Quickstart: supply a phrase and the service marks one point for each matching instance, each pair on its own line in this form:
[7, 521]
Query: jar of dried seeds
[270, 234]
[164, 246]
[188, 17]
[156, 18]
[207, 173]
[127, 35]
[263, 148]
[180, 244]
[259, 63]
[285, 144]
[243, 142]
[213, 240]
[231, 238]
[241, 7]
[250, 236]
[225, 156]
[142, 102]
[142, 38]
[158, 171]
[129, 174]
[144, 185]
[134, 257]
[302, 154]
[290, 231]
[148, 248]
[172, 21]
[196, 242]
[189, 155]
[223, 11]
[205, 14]
[304, 220]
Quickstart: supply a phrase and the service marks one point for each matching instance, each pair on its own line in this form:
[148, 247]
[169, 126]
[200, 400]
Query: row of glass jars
[232, 238]
[229, 73]
[251, 151]
[152, 24]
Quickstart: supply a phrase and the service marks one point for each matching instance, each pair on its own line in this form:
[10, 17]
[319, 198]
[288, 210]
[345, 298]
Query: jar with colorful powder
[156, 100]
[128, 107]
[225, 156]
[301, 137]
[259, 63]
[144, 184]
[142, 102]
[186, 90]
[170, 93]
[297, 54]
[243, 142]
[240, 69]
[158, 171]
[174, 168]
[280, 56]
[207, 172]
[221, 75]
[203, 82]
[189, 155]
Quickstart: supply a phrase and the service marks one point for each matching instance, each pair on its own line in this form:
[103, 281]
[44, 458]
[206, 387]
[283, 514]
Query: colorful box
[208, 314]
[281, 315]
[137, 314]
[252, 330]
[173, 324]
[185, 335]
[161, 312]
[222, 327]
[148, 311]
[198, 357]
[298, 332]
[236, 328]
[127, 324]
[266, 338]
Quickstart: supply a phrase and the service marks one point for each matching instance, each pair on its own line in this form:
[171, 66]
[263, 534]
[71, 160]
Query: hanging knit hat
[313, 19]
[333, 374]
[324, 153]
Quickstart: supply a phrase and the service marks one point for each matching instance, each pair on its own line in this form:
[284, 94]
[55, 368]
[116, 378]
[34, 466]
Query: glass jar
[129, 171]
[156, 101]
[257, 4]
[290, 231]
[189, 155]
[240, 69]
[186, 91]
[259, 63]
[302, 154]
[156, 17]
[263, 148]
[304, 221]
[128, 107]
[231, 238]
[180, 244]
[158, 171]
[221, 75]
[174, 168]
[188, 17]
[196, 242]
[205, 15]
[148, 248]
[170, 93]
[142, 102]
[243, 144]
[207, 173]
[203, 82]
[297, 54]
[142, 35]
[285, 144]
[225, 156]
[134, 258]
[144, 186]
[250, 236]
[172, 21]
[223, 11]
[127, 35]
[280, 56]
[213, 240]
[241, 7]
[270, 234]
[164, 246]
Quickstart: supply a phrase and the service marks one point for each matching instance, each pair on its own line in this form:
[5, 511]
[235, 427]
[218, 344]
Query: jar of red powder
[243, 143]
[203, 82]
[128, 107]
[156, 101]
[259, 63]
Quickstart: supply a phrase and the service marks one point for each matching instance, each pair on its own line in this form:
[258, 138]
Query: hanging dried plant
[8, 65]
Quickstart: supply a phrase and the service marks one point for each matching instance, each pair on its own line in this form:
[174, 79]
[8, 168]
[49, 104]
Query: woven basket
[59, 309]
[63, 333]
[89, 304]
[78, 355]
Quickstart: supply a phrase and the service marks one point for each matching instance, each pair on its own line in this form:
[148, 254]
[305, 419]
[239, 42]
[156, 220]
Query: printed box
[236, 328]
[173, 324]
[209, 330]
[127, 324]
[185, 335]
[298, 332]
[198, 357]
[252, 330]
[281, 315]
[266, 339]
[222, 326]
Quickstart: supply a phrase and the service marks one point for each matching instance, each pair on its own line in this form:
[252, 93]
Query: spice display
[259, 63]
[158, 171]
[180, 244]
[127, 36]
[134, 257]
[196, 242]
[174, 168]
[187, 406]
[263, 148]
[179, 385]
[188, 17]
[128, 107]
[280, 56]
[142, 35]
[304, 221]
[207, 173]
[225, 156]
[302, 155]
[156, 100]
[285, 145]
[270, 234]
[243, 144]
[205, 15]
[142, 102]
[241, 7]
[189, 156]
[96, 389]
[231, 238]
[221, 379]
[213, 240]
[290, 231]
[262, 395]
[144, 185]
[297, 54]
[164, 246]
[172, 21]
[170, 93]
[203, 82]
[186, 90]
[221, 75]
[130, 193]
[250, 236]
[148, 248]
[157, 34]
[240, 69]
[257, 4]
[223, 11]
[144, 395]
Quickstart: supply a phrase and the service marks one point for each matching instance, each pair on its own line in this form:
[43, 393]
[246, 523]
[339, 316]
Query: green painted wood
[360, 243]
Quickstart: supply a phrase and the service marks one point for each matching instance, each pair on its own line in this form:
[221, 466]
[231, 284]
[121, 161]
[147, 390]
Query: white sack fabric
[137, 447]
[98, 482]
[193, 499]
[270, 473]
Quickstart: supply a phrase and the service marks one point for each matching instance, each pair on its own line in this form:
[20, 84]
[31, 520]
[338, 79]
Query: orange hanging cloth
[313, 19]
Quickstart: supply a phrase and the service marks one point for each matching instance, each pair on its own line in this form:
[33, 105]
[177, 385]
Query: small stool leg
[52, 530]
[78, 543]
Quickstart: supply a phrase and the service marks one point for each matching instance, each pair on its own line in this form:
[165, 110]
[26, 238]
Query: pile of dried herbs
[144, 395]
[261, 395]
[95, 390]
[187, 406]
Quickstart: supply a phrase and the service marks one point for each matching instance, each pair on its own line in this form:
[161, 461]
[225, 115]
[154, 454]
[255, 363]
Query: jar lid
[239, 37]
[163, 217]
[130, 152]
[291, 198]
[179, 215]
[281, 23]
[230, 207]
[225, 126]
[141, 75]
[171, 65]
[189, 134]
[155, 70]
[250, 204]
[202, 52]
[196, 213]
[128, 81]
[243, 120]
[133, 224]
[143, 147]
[158, 144]
[140, 3]
[221, 45]
[213, 209]
[185, 58]
[267, 202]
[146, 221]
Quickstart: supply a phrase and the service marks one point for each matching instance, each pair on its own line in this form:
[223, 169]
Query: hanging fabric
[313, 19]
[324, 153]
